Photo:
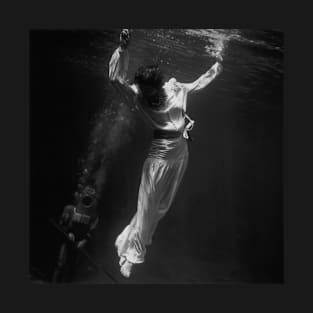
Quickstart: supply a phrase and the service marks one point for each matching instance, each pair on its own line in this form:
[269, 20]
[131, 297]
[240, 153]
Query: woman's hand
[124, 38]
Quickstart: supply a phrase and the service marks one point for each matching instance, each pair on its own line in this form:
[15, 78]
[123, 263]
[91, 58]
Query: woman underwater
[163, 104]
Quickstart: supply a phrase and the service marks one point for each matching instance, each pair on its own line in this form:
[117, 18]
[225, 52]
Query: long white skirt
[162, 173]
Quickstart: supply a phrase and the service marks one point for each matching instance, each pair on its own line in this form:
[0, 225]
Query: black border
[80, 15]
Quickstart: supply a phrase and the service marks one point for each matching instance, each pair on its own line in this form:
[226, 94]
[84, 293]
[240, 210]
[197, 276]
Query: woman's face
[150, 82]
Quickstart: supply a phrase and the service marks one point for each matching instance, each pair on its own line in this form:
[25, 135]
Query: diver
[77, 224]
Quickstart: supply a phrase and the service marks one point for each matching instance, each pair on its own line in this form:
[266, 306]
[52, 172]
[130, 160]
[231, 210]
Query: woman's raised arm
[118, 67]
[204, 79]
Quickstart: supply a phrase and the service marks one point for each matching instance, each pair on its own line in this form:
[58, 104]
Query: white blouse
[171, 116]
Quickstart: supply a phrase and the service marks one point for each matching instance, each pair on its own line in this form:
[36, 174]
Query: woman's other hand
[219, 58]
[219, 68]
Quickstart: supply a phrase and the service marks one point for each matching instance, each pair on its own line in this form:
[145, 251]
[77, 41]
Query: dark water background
[226, 223]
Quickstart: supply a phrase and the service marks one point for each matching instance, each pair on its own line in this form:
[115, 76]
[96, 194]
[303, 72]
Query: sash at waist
[166, 134]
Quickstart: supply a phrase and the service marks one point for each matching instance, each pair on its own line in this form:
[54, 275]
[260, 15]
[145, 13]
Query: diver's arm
[204, 79]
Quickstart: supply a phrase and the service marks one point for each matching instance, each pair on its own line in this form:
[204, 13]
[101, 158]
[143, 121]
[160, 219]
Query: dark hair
[152, 77]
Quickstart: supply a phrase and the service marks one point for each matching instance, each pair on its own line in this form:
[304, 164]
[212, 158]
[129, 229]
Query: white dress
[163, 169]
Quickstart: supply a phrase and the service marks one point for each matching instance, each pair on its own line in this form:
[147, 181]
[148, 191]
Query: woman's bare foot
[126, 268]
[122, 260]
